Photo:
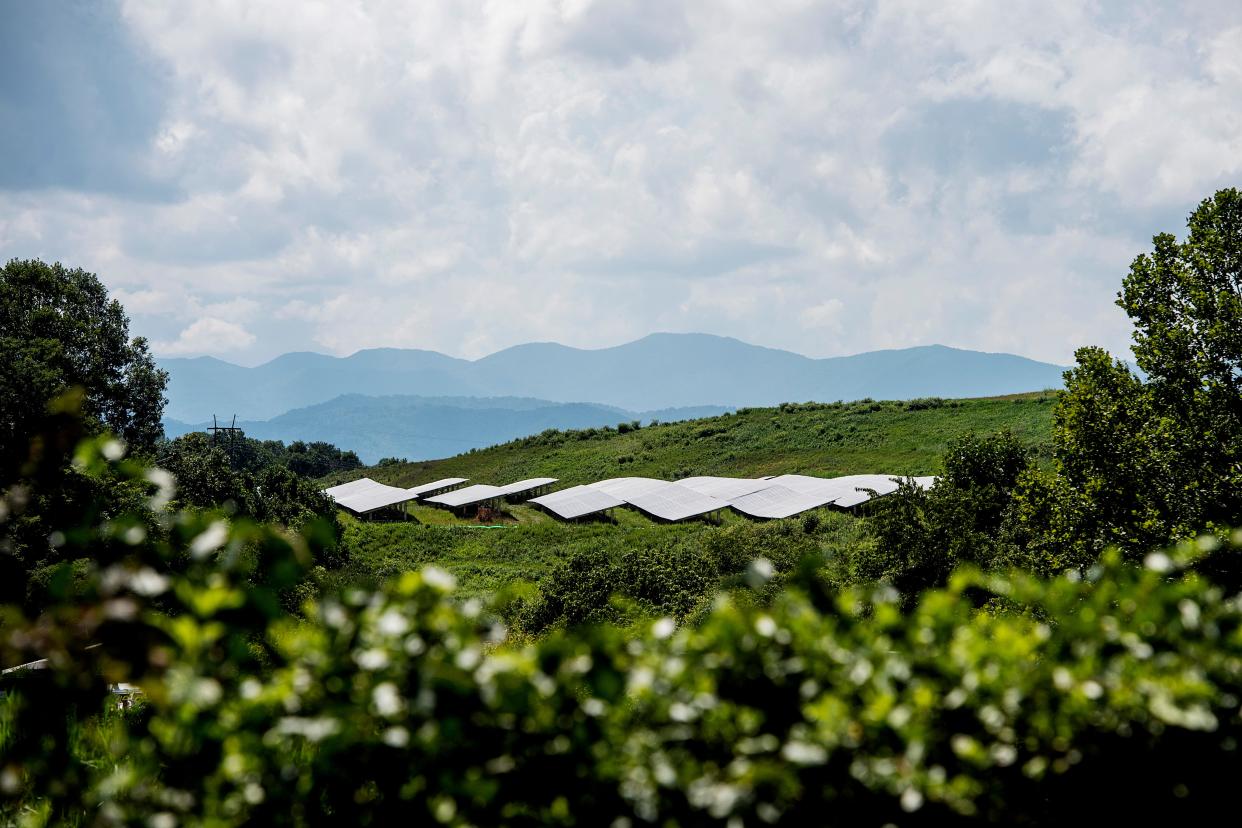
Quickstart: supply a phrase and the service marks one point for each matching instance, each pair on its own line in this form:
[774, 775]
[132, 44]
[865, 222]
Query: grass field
[820, 439]
[852, 438]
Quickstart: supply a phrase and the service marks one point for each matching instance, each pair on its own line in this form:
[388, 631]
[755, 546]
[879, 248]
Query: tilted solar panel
[527, 485]
[577, 501]
[437, 485]
[725, 488]
[857, 486]
[777, 502]
[468, 496]
[626, 487]
[673, 502]
[376, 497]
[352, 487]
[366, 495]
[845, 491]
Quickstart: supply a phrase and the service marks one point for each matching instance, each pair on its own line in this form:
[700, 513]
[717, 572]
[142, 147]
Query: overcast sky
[252, 178]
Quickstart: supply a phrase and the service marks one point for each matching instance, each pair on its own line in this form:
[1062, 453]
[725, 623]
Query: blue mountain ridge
[659, 371]
[419, 428]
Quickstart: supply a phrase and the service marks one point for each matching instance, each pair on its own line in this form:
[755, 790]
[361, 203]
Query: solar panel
[725, 488]
[842, 491]
[883, 484]
[352, 487]
[577, 501]
[627, 487]
[673, 502]
[468, 496]
[436, 486]
[376, 498]
[366, 495]
[805, 484]
[528, 485]
[777, 502]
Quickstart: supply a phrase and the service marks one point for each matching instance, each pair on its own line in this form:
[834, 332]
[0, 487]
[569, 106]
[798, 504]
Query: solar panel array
[777, 496]
[766, 497]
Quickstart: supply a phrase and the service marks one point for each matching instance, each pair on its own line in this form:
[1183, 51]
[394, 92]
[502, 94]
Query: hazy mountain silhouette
[658, 371]
[419, 428]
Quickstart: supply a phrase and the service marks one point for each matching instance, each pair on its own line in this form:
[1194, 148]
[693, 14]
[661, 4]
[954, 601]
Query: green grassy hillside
[897, 437]
[811, 438]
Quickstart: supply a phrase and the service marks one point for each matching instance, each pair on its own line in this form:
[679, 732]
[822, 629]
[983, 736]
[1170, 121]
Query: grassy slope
[900, 438]
[851, 438]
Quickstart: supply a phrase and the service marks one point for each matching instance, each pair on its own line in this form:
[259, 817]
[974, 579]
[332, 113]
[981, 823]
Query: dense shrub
[672, 573]
[921, 535]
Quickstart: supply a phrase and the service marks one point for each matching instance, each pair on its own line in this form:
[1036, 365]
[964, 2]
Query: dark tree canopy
[59, 330]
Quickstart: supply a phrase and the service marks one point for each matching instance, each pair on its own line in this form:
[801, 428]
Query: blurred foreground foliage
[1108, 693]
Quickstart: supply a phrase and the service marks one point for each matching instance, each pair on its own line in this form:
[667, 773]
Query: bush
[1110, 696]
[921, 535]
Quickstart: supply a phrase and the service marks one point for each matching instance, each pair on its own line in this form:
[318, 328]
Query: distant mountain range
[420, 428]
[657, 372]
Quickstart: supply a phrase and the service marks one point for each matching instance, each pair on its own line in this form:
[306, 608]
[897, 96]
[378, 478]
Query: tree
[59, 330]
[205, 477]
[317, 459]
[1140, 463]
[1186, 303]
[254, 482]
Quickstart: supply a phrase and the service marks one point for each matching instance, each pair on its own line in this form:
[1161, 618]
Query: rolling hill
[657, 372]
[831, 439]
[815, 438]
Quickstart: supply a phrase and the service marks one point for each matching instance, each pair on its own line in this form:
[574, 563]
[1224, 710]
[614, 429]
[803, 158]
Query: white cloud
[823, 177]
[208, 335]
[825, 315]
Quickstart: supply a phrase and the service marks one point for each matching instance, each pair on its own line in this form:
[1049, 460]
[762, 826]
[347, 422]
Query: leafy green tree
[1186, 303]
[1140, 463]
[204, 473]
[317, 459]
[59, 330]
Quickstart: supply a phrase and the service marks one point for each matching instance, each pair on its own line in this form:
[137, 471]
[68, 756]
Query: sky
[252, 178]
